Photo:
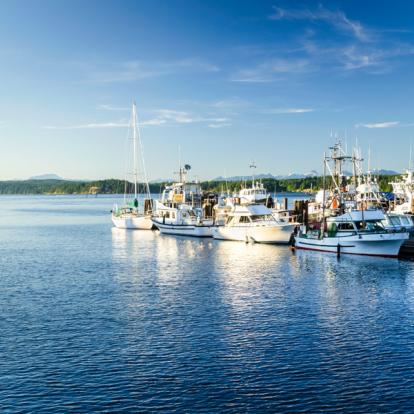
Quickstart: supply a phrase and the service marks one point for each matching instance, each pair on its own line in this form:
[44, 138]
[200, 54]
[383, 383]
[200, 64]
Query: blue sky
[226, 81]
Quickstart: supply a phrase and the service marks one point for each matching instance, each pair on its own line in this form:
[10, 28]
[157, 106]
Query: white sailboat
[253, 223]
[130, 216]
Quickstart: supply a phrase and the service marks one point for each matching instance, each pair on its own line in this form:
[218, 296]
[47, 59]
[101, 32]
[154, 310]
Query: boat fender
[338, 250]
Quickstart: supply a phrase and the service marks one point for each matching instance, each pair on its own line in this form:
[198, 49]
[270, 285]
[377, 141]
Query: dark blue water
[93, 319]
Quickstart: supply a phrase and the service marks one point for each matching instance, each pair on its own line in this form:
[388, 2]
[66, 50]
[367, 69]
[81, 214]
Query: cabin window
[244, 219]
[369, 225]
[232, 220]
[173, 215]
[261, 217]
[345, 226]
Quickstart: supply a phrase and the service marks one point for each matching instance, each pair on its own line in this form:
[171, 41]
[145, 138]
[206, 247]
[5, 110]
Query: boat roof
[359, 215]
[251, 210]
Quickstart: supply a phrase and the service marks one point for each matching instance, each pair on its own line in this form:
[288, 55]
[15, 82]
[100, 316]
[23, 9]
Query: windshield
[261, 217]
[370, 225]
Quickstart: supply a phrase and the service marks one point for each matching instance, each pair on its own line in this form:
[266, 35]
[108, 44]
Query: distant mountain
[385, 172]
[293, 175]
[161, 180]
[46, 177]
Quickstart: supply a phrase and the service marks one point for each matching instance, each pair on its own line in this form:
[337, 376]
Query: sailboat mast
[134, 126]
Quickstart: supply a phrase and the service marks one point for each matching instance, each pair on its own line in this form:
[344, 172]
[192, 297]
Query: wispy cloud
[171, 117]
[289, 110]
[113, 108]
[271, 70]
[335, 18]
[388, 124]
[90, 126]
[161, 117]
[230, 103]
[135, 70]
[222, 125]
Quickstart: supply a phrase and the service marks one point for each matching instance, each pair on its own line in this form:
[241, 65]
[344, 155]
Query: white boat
[181, 220]
[130, 216]
[256, 194]
[179, 212]
[253, 223]
[404, 194]
[356, 232]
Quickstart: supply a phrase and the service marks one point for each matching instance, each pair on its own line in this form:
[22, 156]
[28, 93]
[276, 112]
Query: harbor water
[98, 319]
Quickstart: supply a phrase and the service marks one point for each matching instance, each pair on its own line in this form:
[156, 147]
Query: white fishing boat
[130, 215]
[253, 223]
[355, 232]
[179, 211]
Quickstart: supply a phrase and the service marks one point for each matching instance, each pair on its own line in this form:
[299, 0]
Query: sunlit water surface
[96, 319]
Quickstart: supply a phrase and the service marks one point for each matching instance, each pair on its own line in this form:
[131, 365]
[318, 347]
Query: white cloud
[389, 124]
[230, 103]
[90, 126]
[215, 126]
[289, 110]
[271, 70]
[162, 117]
[113, 108]
[172, 117]
[336, 19]
[135, 70]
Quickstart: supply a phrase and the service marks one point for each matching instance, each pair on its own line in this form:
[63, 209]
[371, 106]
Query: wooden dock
[407, 249]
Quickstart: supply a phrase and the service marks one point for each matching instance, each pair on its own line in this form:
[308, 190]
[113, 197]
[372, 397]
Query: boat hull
[184, 229]
[384, 245]
[255, 234]
[133, 222]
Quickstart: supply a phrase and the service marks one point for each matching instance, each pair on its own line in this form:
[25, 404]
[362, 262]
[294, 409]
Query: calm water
[94, 319]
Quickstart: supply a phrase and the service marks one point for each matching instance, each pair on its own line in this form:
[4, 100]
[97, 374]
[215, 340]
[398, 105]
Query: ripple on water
[94, 319]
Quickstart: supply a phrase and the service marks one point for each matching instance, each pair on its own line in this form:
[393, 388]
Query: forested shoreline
[114, 186]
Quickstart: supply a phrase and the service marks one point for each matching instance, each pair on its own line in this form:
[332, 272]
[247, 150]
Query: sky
[223, 83]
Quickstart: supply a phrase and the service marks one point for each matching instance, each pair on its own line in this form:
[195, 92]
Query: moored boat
[130, 216]
[179, 212]
[253, 223]
[355, 232]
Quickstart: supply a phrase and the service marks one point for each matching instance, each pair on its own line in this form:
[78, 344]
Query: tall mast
[134, 127]
[324, 194]
[141, 149]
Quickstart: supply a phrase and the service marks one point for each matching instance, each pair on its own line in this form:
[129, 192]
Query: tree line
[114, 186]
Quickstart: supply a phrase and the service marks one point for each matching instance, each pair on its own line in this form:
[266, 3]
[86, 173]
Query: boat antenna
[227, 185]
[253, 165]
[180, 177]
